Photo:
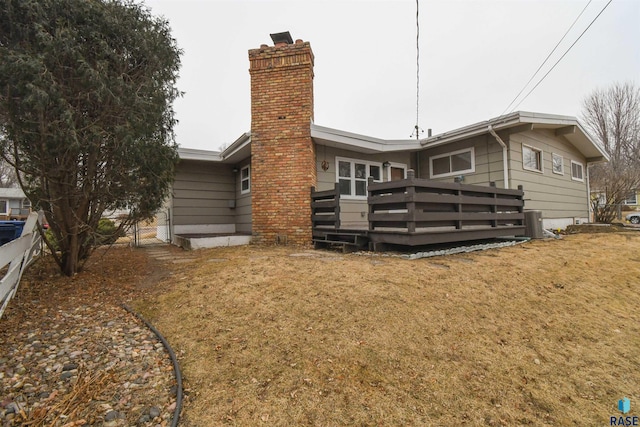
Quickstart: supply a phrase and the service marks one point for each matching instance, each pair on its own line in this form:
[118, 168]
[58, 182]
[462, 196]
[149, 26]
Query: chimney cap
[282, 38]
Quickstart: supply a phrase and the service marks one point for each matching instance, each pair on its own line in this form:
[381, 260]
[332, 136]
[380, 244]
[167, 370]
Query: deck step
[349, 242]
[345, 246]
[347, 238]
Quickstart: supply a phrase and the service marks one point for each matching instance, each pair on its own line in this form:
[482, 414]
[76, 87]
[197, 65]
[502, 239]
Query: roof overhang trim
[359, 143]
[521, 121]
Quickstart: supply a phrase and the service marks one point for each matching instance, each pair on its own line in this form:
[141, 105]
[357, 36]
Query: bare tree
[613, 116]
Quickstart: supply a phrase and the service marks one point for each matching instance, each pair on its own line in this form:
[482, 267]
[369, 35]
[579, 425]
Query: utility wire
[563, 55]
[546, 59]
[417, 128]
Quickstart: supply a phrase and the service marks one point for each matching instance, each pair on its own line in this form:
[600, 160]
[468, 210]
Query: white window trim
[7, 208]
[248, 178]
[397, 166]
[561, 164]
[541, 170]
[449, 154]
[573, 178]
[352, 196]
[635, 198]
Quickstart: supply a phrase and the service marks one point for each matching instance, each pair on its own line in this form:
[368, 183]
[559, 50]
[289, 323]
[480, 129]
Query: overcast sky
[475, 56]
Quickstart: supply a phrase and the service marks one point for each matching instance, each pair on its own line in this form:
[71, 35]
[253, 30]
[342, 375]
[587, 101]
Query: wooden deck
[417, 212]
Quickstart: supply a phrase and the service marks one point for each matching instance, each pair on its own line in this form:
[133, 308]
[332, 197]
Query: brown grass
[544, 333]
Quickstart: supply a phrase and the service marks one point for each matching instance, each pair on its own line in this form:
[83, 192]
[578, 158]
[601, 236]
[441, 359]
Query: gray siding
[243, 203]
[201, 193]
[557, 196]
[488, 161]
[351, 211]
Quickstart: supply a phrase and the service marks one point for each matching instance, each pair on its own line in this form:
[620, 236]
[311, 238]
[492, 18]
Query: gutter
[235, 145]
[505, 163]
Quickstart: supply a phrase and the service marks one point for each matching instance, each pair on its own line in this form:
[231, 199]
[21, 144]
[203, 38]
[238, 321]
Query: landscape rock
[99, 343]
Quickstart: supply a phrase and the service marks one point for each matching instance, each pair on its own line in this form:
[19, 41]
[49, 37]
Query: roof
[12, 193]
[203, 155]
[360, 143]
[240, 149]
[566, 126]
[237, 151]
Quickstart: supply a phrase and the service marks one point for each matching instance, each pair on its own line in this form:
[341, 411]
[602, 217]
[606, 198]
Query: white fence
[18, 254]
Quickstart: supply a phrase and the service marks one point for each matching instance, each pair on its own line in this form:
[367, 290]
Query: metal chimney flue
[281, 39]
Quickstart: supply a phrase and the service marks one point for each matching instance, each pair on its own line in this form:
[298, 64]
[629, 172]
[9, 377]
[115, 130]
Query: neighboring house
[631, 203]
[259, 186]
[632, 200]
[14, 204]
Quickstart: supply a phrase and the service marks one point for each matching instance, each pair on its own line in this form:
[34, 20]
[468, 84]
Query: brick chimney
[283, 166]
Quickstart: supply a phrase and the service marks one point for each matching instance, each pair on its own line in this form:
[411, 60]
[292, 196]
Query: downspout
[589, 205]
[505, 161]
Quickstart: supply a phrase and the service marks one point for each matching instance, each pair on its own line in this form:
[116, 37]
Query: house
[14, 204]
[258, 188]
[546, 154]
[631, 202]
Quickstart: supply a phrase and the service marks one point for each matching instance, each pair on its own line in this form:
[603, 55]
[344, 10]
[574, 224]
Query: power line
[546, 59]
[563, 55]
[417, 127]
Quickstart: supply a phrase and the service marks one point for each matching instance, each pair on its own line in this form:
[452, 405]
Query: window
[601, 198]
[531, 158]
[245, 180]
[557, 163]
[4, 207]
[577, 171]
[26, 204]
[453, 163]
[632, 199]
[353, 174]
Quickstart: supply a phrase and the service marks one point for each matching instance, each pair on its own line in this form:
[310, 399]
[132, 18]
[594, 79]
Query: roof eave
[237, 145]
[593, 150]
[359, 143]
[200, 155]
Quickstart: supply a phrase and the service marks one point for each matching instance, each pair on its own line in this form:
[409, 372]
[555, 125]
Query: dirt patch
[598, 228]
[544, 333]
[111, 275]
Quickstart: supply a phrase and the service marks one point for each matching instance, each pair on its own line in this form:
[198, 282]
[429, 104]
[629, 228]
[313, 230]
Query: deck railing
[416, 211]
[18, 254]
[325, 209]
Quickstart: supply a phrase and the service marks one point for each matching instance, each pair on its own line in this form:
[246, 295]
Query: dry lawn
[544, 333]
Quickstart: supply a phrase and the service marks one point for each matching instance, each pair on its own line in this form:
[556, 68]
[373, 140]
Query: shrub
[106, 234]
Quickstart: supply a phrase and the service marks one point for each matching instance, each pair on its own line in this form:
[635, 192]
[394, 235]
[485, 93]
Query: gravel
[89, 365]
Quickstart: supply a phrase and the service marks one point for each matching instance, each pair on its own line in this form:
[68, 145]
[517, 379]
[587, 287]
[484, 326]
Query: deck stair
[348, 241]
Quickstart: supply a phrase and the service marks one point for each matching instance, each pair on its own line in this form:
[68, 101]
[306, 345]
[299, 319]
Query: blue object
[624, 405]
[10, 230]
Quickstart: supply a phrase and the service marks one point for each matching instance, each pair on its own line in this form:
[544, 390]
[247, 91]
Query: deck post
[521, 207]
[459, 208]
[369, 204]
[411, 206]
[336, 188]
